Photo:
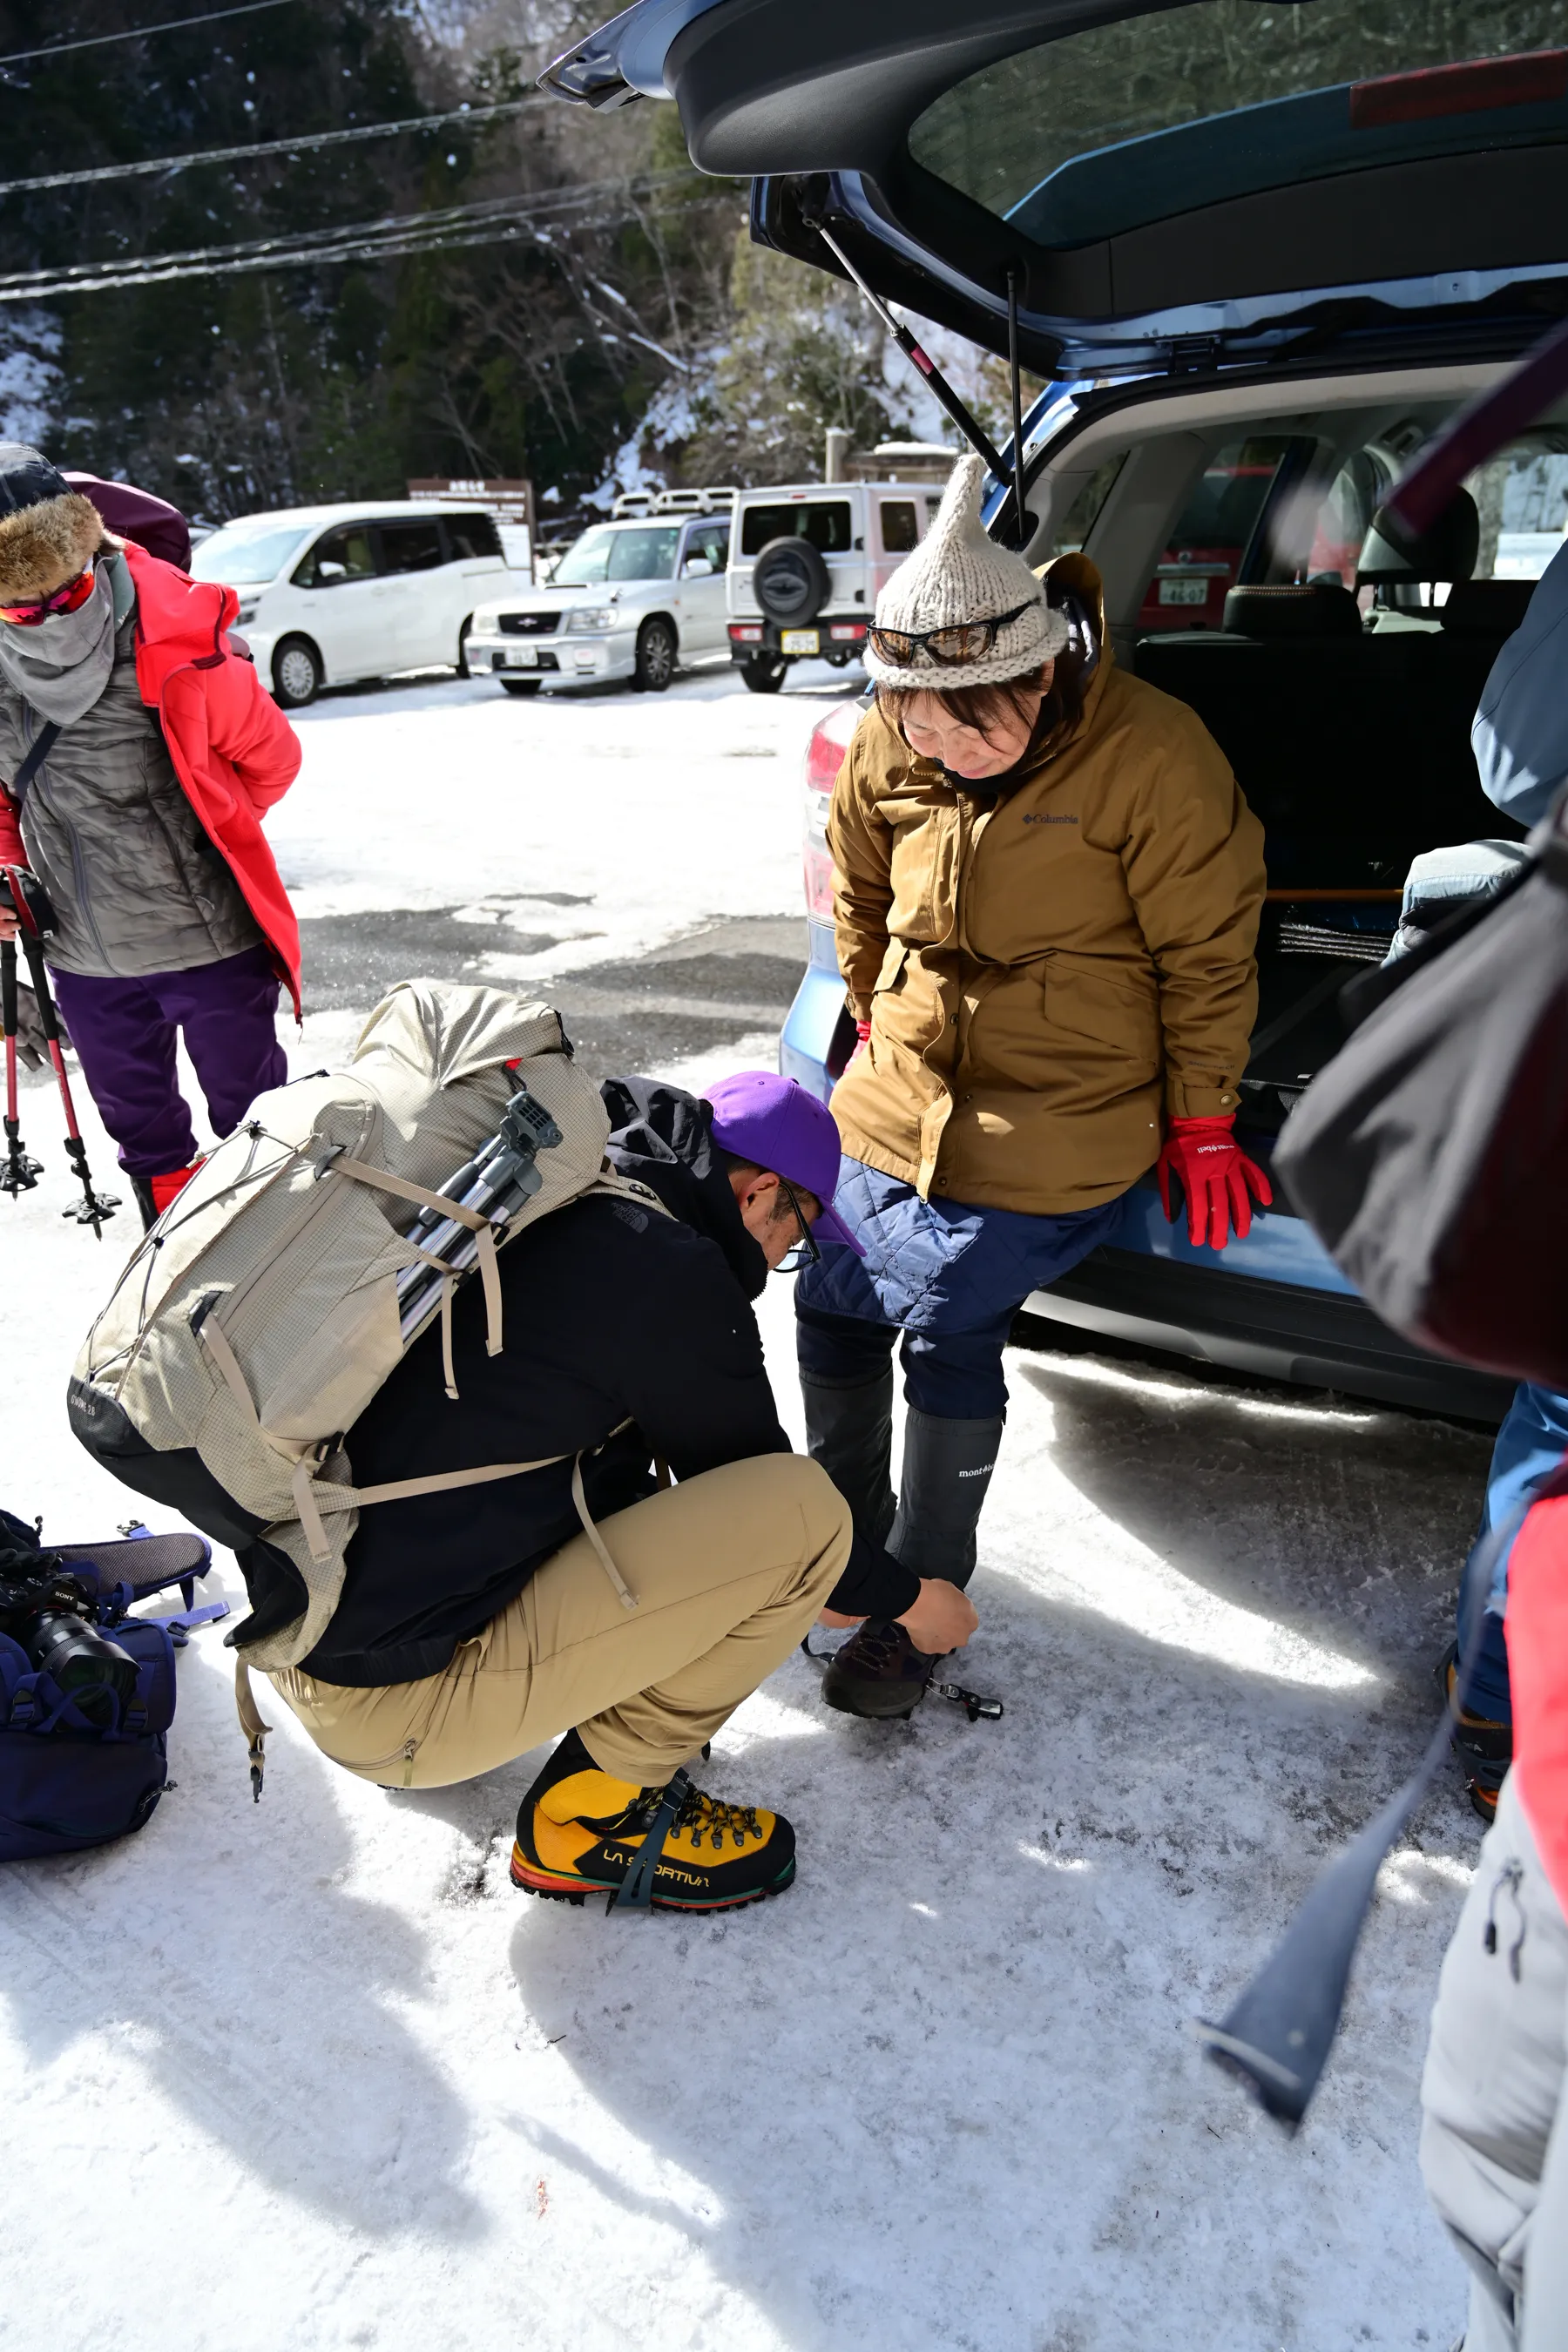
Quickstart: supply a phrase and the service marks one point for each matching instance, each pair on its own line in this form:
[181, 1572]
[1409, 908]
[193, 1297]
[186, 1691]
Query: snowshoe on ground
[878, 1673]
[1485, 1749]
[582, 1831]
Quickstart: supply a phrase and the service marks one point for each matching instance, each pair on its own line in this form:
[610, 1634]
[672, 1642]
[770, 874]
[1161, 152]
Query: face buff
[61, 664]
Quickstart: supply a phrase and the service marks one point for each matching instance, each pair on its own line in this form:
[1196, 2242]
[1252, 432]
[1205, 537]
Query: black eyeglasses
[804, 1252]
[967, 641]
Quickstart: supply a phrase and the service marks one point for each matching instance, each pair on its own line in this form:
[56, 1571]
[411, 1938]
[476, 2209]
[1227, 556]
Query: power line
[498, 220]
[173, 163]
[139, 32]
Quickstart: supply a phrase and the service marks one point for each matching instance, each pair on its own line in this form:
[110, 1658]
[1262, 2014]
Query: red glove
[11, 850]
[862, 1039]
[1216, 1177]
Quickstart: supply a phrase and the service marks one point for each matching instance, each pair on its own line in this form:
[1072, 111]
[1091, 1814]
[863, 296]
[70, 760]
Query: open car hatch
[1218, 182]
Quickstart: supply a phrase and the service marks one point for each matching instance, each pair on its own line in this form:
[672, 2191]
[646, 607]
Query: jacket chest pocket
[1120, 1015]
[893, 969]
[921, 867]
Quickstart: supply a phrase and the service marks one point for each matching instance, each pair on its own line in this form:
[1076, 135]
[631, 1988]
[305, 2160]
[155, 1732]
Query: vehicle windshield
[1006, 135]
[247, 554]
[608, 552]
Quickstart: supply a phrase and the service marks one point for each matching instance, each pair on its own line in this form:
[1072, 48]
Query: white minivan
[332, 594]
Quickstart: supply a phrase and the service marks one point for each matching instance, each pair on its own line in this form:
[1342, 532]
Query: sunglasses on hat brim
[70, 598]
[966, 641]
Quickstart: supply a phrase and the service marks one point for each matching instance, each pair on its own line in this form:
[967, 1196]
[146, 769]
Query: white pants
[1494, 2142]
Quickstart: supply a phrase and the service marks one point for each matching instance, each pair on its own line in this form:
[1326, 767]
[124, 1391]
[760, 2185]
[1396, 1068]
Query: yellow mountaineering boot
[580, 1831]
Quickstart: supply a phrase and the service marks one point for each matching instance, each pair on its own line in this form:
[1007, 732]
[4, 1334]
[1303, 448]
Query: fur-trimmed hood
[47, 531]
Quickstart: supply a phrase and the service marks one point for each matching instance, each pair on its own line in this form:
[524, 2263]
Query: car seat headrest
[1319, 609]
[1444, 552]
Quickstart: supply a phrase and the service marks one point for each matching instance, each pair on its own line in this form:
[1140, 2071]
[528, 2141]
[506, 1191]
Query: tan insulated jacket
[1043, 978]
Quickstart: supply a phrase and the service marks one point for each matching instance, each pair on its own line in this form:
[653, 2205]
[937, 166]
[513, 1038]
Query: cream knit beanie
[957, 574]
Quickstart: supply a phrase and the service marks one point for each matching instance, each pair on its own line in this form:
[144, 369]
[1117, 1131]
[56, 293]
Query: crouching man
[473, 1627]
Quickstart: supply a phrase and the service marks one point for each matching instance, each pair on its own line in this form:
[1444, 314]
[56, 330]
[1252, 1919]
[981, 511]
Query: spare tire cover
[791, 581]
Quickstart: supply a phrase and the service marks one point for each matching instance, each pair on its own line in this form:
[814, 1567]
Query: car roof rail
[715, 499]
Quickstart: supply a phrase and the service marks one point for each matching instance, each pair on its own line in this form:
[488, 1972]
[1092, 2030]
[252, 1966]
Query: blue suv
[1261, 256]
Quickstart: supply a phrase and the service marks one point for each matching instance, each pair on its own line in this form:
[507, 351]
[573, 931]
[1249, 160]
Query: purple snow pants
[124, 1033]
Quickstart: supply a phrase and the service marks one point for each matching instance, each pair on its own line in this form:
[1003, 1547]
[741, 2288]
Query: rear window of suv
[824, 522]
[1050, 138]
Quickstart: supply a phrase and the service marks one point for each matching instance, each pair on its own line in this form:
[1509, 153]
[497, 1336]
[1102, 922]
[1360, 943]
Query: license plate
[800, 641]
[1184, 592]
[523, 657]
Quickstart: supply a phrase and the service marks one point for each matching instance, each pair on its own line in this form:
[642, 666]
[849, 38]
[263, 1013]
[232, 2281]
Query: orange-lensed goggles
[967, 641]
[69, 599]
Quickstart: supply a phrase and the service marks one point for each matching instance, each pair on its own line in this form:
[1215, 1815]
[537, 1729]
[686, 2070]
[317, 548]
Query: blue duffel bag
[87, 1691]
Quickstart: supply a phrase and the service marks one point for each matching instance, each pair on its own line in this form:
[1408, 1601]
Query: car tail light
[818, 864]
[847, 632]
[825, 753]
[745, 632]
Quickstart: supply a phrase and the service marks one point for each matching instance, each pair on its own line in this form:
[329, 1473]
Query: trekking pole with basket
[35, 917]
[21, 1172]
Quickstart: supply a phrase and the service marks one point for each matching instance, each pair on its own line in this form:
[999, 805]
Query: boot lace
[702, 1813]
[878, 1647]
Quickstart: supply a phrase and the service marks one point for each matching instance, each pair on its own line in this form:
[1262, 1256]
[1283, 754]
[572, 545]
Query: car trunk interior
[1343, 696]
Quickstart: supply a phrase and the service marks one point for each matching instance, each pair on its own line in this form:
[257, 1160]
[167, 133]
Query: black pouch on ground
[1429, 1156]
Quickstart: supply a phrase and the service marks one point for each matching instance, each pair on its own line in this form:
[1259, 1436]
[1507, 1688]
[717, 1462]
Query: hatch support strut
[971, 430]
[1020, 513]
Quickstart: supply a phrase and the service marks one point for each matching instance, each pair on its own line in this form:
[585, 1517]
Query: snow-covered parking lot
[311, 2075]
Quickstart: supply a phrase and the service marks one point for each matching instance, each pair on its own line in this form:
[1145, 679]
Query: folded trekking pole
[21, 1172]
[1276, 2038]
[31, 908]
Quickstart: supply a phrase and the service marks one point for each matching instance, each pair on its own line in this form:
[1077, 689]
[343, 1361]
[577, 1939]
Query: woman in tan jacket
[1047, 889]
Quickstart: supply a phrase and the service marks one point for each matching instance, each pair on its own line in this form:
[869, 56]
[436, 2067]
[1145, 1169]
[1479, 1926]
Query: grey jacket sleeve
[1520, 731]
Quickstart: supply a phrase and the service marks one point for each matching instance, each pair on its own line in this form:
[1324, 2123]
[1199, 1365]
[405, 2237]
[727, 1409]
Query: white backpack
[262, 1313]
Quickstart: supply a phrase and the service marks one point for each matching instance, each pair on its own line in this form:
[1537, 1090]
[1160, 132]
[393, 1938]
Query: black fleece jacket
[612, 1313]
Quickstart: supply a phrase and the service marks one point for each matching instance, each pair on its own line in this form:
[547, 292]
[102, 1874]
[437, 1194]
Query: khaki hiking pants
[729, 1570]
[1494, 2141]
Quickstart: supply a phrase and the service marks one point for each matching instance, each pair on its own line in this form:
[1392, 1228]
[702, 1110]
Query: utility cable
[497, 219]
[172, 163]
[139, 32]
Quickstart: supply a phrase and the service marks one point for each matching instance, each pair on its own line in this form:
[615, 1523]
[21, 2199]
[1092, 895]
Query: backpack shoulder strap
[38, 751]
[626, 1187]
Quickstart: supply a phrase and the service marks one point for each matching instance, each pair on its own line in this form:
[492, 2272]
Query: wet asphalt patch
[350, 960]
[727, 977]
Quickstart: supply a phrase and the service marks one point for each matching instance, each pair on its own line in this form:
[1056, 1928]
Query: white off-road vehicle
[806, 565]
[634, 599]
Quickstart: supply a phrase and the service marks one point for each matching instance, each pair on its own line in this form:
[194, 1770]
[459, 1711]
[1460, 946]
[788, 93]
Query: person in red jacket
[140, 752]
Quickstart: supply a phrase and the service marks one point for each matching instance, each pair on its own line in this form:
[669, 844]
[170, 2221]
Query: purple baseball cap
[776, 1123]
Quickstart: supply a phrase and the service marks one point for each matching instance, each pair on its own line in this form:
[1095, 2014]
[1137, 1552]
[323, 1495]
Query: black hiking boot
[581, 1831]
[878, 1673]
